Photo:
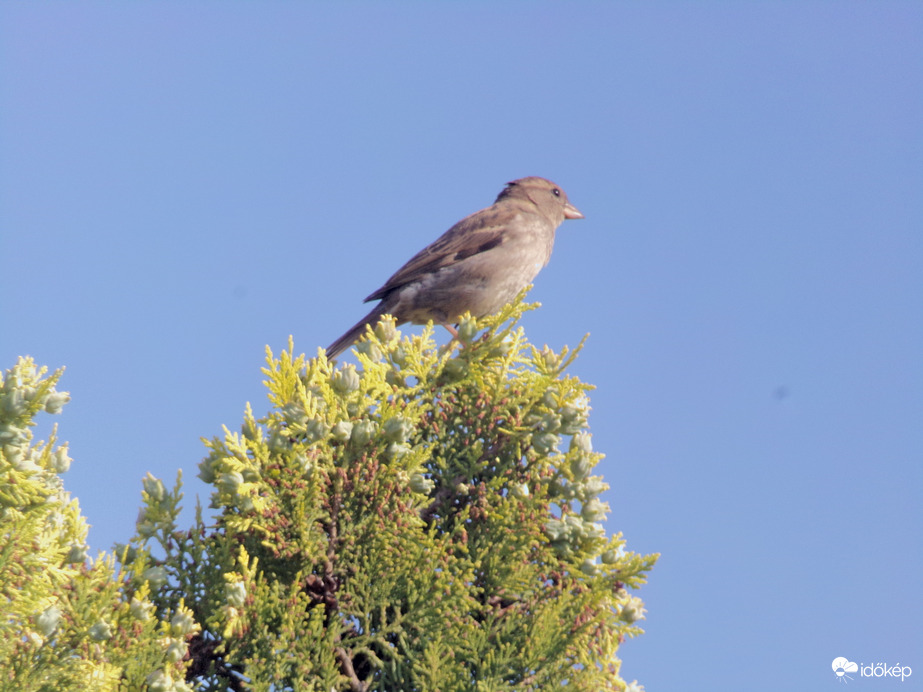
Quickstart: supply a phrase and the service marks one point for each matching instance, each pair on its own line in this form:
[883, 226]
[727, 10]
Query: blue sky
[182, 184]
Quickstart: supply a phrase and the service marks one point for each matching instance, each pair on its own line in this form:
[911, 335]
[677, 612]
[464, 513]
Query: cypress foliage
[429, 520]
[68, 622]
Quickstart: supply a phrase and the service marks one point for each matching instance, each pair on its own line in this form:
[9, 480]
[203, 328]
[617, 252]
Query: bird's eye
[556, 192]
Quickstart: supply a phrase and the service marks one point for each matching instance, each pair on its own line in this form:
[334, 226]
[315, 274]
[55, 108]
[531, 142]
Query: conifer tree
[68, 622]
[427, 520]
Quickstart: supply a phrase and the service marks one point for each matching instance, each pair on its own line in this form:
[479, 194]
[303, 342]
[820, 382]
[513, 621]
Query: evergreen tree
[68, 622]
[428, 520]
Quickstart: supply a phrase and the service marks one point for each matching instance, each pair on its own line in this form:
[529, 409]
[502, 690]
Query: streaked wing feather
[473, 234]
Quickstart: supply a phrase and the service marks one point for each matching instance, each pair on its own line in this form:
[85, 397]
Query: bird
[479, 265]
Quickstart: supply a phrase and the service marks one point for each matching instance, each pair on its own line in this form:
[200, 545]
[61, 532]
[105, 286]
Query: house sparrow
[478, 266]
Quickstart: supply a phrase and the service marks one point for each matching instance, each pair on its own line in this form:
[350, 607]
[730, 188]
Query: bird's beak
[571, 212]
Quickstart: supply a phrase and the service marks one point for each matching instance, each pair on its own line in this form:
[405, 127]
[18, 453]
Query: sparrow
[477, 266]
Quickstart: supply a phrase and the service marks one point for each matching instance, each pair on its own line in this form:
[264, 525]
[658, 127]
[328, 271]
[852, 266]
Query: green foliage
[429, 520]
[67, 622]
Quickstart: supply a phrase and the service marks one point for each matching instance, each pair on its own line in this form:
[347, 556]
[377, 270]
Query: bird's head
[550, 199]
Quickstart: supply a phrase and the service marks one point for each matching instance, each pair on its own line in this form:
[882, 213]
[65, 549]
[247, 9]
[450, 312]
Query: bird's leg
[454, 332]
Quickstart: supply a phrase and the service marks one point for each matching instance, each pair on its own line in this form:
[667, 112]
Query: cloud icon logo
[841, 666]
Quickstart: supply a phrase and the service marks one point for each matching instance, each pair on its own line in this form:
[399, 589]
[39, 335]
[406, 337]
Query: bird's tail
[357, 330]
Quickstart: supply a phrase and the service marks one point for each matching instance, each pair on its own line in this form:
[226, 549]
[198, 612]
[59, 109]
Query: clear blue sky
[182, 184]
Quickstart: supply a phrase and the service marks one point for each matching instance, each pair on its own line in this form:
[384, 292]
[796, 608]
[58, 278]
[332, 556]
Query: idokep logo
[843, 666]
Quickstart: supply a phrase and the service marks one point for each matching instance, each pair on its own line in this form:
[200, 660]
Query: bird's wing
[472, 235]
